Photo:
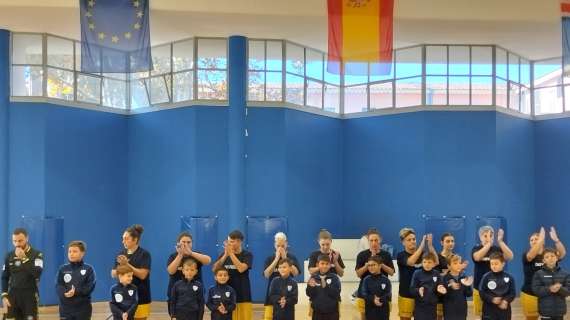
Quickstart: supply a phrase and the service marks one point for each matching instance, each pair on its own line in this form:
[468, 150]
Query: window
[212, 69]
[265, 65]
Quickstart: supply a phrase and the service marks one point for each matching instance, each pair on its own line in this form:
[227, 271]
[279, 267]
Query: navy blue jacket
[123, 299]
[376, 285]
[426, 306]
[221, 294]
[455, 300]
[551, 304]
[324, 300]
[287, 288]
[187, 297]
[82, 277]
[497, 284]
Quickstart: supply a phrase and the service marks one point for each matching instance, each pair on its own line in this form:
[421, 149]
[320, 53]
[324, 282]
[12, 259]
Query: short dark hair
[497, 256]
[20, 231]
[550, 250]
[285, 260]
[236, 235]
[78, 244]
[123, 269]
[376, 259]
[325, 234]
[323, 257]
[190, 262]
[429, 256]
[372, 231]
[220, 269]
[445, 235]
[182, 235]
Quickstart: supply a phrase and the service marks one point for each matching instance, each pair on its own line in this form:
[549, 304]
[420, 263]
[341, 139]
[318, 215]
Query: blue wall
[400, 167]
[71, 163]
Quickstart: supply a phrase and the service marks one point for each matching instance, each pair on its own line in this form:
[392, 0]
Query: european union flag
[115, 36]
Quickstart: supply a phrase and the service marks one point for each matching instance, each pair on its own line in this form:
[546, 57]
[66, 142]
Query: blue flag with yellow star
[115, 36]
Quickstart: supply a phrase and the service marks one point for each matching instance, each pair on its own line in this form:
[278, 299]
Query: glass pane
[88, 89]
[514, 68]
[332, 98]
[482, 91]
[60, 84]
[212, 54]
[256, 86]
[315, 64]
[548, 72]
[256, 55]
[27, 49]
[161, 59]
[408, 62]
[332, 73]
[183, 55]
[160, 89]
[514, 96]
[458, 91]
[501, 99]
[60, 53]
[482, 61]
[436, 90]
[274, 56]
[381, 71]
[525, 100]
[212, 85]
[548, 100]
[355, 99]
[183, 86]
[525, 72]
[27, 81]
[501, 68]
[315, 94]
[381, 95]
[409, 92]
[139, 93]
[274, 86]
[436, 60]
[458, 60]
[114, 93]
[566, 98]
[355, 73]
[119, 76]
[295, 59]
[295, 88]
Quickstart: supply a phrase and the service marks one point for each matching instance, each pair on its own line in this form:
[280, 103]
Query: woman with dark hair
[176, 260]
[139, 260]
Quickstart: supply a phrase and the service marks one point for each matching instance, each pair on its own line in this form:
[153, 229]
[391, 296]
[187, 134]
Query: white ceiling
[528, 27]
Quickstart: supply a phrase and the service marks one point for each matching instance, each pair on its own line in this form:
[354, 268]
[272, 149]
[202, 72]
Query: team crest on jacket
[17, 263]
[329, 281]
[492, 285]
[434, 279]
[195, 288]
[131, 292]
[228, 294]
[67, 278]
[506, 279]
[83, 272]
[289, 288]
[119, 297]
[383, 286]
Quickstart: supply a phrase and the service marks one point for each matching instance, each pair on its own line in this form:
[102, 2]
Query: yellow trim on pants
[360, 305]
[406, 307]
[243, 311]
[477, 303]
[268, 313]
[143, 311]
[440, 309]
[529, 305]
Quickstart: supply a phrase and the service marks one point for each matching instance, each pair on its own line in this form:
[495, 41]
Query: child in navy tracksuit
[323, 290]
[497, 290]
[221, 297]
[426, 287]
[283, 292]
[376, 290]
[187, 295]
[551, 285]
[74, 284]
[459, 287]
[124, 296]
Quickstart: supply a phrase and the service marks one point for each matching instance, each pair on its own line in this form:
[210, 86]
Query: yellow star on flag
[102, 35]
[91, 3]
[88, 14]
[136, 4]
[128, 35]
[140, 14]
[91, 26]
[115, 39]
[137, 26]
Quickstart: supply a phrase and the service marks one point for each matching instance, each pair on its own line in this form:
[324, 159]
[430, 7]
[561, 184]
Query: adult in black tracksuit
[552, 286]
[187, 300]
[459, 287]
[497, 290]
[74, 284]
[20, 278]
[376, 290]
[283, 287]
[221, 296]
[323, 289]
[426, 287]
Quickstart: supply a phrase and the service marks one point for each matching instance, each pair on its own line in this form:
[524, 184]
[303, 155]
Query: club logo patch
[289, 288]
[329, 281]
[434, 279]
[83, 272]
[18, 263]
[492, 285]
[383, 286]
[67, 278]
[131, 292]
[195, 288]
[228, 294]
[39, 263]
[118, 297]
[506, 279]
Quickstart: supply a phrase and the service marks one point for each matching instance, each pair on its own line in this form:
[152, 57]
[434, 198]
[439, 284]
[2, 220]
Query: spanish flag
[565, 15]
[360, 31]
